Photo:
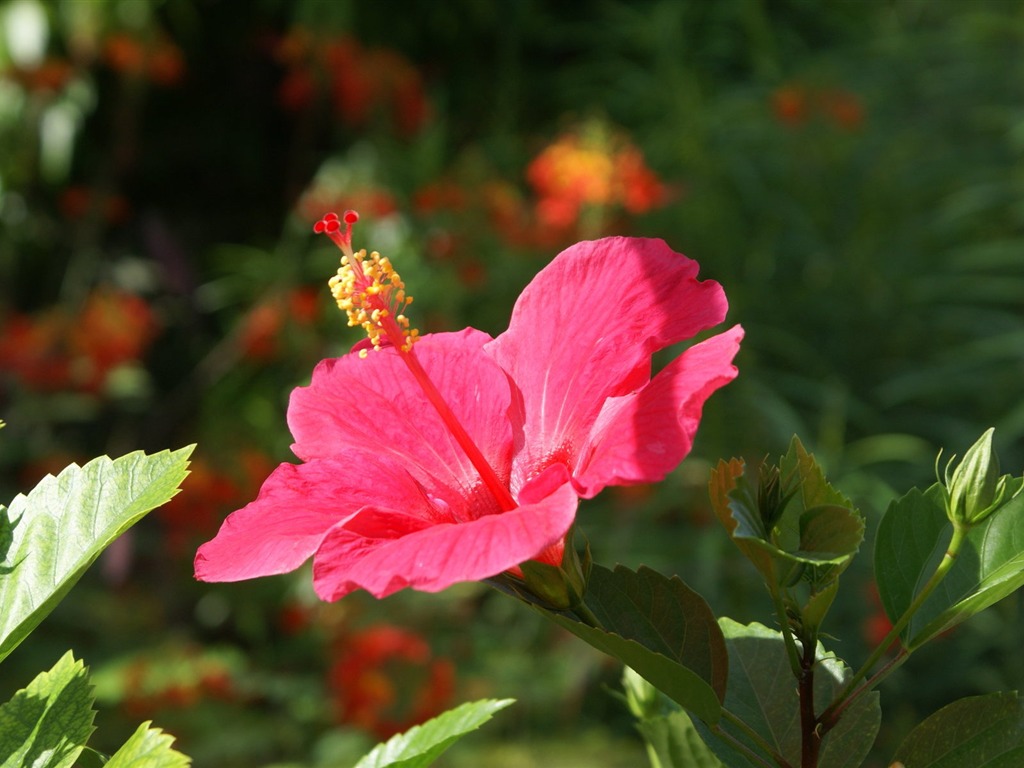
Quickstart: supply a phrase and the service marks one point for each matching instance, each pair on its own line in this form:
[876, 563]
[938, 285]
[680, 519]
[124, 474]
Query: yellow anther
[372, 294]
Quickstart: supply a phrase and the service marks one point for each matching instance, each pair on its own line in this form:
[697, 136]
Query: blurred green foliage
[850, 171]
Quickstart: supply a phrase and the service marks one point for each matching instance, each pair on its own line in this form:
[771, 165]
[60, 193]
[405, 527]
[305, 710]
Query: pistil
[373, 296]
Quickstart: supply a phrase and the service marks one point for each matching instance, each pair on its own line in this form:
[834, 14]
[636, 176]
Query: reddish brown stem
[810, 743]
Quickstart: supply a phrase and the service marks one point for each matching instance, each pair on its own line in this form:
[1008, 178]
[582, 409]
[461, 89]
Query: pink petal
[584, 330]
[375, 405]
[295, 509]
[642, 437]
[434, 558]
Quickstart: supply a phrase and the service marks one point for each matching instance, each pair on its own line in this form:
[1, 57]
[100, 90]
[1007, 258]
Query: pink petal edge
[296, 507]
[585, 327]
[434, 558]
[642, 437]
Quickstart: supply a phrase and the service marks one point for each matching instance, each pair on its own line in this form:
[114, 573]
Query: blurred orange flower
[52, 74]
[591, 167]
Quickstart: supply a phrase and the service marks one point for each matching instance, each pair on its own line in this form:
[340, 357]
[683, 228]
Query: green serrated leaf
[421, 745]
[66, 521]
[6, 538]
[819, 528]
[976, 732]
[673, 742]
[148, 748]
[47, 723]
[912, 540]
[662, 629]
[815, 490]
[763, 694]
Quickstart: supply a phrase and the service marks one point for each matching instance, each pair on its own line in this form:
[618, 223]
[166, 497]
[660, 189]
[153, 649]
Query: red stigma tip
[330, 225]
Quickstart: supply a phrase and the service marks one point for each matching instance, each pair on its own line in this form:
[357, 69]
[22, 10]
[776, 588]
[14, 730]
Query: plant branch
[792, 653]
[810, 739]
[959, 534]
[830, 717]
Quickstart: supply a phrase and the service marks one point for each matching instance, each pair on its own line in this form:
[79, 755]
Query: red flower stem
[476, 456]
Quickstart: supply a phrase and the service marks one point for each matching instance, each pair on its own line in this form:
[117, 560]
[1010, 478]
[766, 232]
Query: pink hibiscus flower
[460, 457]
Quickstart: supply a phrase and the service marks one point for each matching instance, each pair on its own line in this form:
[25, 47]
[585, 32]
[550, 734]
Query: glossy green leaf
[662, 629]
[64, 523]
[763, 694]
[148, 748]
[911, 541]
[423, 744]
[46, 724]
[673, 742]
[976, 732]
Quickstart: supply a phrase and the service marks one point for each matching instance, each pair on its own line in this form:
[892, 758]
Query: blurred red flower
[386, 680]
[362, 82]
[791, 105]
[210, 490]
[53, 350]
[160, 61]
[877, 625]
[796, 104]
[266, 324]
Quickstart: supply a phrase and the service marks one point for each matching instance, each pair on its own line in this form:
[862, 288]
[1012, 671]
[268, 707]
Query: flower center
[373, 296]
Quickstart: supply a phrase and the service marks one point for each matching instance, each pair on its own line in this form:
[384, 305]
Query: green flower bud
[555, 587]
[975, 489]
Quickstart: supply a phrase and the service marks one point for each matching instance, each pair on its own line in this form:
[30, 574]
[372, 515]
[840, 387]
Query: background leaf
[148, 748]
[763, 693]
[976, 732]
[911, 541]
[46, 724]
[64, 523]
[420, 746]
[662, 629]
[673, 742]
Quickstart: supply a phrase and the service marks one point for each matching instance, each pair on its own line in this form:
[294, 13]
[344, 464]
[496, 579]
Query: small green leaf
[673, 742]
[423, 744]
[911, 541]
[976, 732]
[662, 629]
[819, 527]
[814, 530]
[148, 748]
[46, 724]
[763, 694]
[64, 523]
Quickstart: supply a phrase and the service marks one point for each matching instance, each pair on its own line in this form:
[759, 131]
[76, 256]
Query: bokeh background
[850, 171]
